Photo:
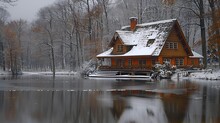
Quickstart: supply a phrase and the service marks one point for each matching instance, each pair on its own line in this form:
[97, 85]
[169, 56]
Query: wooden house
[138, 47]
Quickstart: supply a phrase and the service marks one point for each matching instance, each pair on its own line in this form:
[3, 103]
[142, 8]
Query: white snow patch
[201, 75]
[208, 75]
[196, 55]
[3, 72]
[157, 22]
[143, 111]
[50, 73]
[135, 51]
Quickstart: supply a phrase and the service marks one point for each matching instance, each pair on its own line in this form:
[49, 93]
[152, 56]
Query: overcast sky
[27, 9]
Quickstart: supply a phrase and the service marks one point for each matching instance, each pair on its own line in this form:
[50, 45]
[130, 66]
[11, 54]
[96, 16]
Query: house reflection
[176, 103]
[166, 102]
[142, 110]
[169, 103]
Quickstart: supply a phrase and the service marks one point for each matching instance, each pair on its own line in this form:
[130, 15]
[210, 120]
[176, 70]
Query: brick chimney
[133, 23]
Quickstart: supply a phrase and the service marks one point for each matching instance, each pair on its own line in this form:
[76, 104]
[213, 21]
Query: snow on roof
[150, 23]
[158, 31]
[157, 22]
[196, 55]
[106, 53]
[147, 39]
[135, 51]
[133, 18]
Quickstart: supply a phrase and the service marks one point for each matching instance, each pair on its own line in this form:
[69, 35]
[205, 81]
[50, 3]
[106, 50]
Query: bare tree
[68, 16]
[200, 5]
[4, 2]
[3, 17]
[47, 25]
[13, 49]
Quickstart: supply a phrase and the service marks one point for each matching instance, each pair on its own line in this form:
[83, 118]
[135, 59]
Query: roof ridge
[157, 22]
[151, 23]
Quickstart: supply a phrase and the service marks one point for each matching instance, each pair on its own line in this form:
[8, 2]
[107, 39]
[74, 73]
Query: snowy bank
[207, 75]
[41, 73]
[50, 73]
[3, 72]
[201, 74]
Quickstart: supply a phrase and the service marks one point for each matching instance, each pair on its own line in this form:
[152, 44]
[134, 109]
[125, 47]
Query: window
[120, 63]
[153, 61]
[192, 62]
[175, 45]
[171, 45]
[129, 62]
[120, 48]
[150, 42]
[142, 62]
[179, 62]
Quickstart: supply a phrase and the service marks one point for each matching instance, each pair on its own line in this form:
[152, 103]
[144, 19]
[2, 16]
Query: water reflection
[139, 110]
[71, 100]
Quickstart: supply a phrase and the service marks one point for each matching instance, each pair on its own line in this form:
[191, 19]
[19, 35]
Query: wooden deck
[128, 69]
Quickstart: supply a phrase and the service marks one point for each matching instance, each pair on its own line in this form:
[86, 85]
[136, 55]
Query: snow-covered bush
[163, 70]
[89, 67]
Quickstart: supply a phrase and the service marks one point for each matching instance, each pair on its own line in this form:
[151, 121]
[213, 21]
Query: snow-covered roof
[147, 39]
[135, 51]
[133, 18]
[158, 31]
[196, 55]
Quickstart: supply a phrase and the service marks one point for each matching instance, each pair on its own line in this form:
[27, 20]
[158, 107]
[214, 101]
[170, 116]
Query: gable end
[182, 38]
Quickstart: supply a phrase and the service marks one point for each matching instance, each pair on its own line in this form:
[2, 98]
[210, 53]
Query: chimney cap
[133, 18]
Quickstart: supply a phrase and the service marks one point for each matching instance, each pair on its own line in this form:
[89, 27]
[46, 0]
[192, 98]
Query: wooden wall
[115, 48]
[180, 52]
[135, 62]
[194, 62]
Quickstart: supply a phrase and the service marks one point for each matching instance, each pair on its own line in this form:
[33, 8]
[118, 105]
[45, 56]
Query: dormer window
[150, 42]
[120, 48]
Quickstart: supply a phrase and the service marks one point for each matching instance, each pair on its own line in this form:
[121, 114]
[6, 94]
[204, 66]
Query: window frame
[120, 48]
[120, 63]
[171, 45]
[130, 62]
[179, 61]
[142, 62]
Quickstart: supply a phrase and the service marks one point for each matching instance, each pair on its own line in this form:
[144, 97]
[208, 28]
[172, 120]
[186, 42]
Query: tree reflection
[166, 102]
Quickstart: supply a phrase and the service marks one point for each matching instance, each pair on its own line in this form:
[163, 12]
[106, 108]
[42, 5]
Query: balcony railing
[126, 68]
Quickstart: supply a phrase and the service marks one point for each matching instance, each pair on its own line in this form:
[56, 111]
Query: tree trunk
[71, 54]
[53, 61]
[106, 15]
[2, 59]
[203, 33]
[63, 55]
[90, 21]
[77, 49]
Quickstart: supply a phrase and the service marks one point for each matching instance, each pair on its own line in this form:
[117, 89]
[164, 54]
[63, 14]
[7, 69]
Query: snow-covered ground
[208, 75]
[50, 73]
[202, 75]
[41, 73]
[4, 72]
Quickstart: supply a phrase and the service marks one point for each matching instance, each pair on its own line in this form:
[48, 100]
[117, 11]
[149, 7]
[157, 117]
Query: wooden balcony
[125, 68]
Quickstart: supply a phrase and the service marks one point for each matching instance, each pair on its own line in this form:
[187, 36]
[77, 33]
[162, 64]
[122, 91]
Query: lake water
[41, 99]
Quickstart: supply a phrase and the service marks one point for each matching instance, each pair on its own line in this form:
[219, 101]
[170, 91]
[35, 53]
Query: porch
[125, 68]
